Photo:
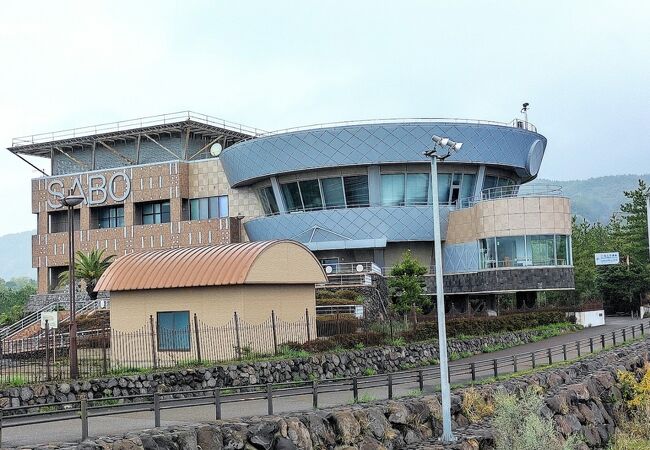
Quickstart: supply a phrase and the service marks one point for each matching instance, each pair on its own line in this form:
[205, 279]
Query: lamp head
[72, 200]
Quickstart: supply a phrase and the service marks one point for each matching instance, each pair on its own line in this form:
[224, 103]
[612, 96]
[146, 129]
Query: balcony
[350, 274]
[514, 191]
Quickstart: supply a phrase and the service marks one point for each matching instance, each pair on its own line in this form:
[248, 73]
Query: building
[267, 288]
[356, 194]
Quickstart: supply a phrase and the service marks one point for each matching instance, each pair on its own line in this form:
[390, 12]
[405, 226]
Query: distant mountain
[595, 199]
[16, 255]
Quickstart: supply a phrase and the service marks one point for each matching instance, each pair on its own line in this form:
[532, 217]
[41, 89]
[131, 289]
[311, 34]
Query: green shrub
[336, 301]
[332, 324]
[368, 371]
[346, 294]
[474, 326]
[354, 339]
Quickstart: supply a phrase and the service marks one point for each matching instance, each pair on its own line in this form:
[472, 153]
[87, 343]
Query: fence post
[156, 409]
[550, 356]
[307, 322]
[269, 398]
[514, 363]
[153, 343]
[84, 419]
[614, 338]
[338, 322]
[104, 347]
[314, 394]
[275, 333]
[217, 403]
[473, 369]
[237, 337]
[421, 380]
[642, 329]
[602, 340]
[495, 367]
[532, 357]
[633, 331]
[355, 390]
[578, 348]
[624, 335]
[591, 345]
[390, 386]
[564, 351]
[48, 370]
[198, 341]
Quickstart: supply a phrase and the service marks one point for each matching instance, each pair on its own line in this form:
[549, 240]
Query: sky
[584, 67]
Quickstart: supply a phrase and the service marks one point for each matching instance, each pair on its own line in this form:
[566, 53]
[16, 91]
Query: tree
[89, 267]
[406, 285]
[587, 239]
[14, 299]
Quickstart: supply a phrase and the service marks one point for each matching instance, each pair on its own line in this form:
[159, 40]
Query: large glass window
[417, 188]
[356, 191]
[59, 221]
[541, 250]
[392, 189]
[333, 192]
[467, 185]
[173, 331]
[209, 207]
[498, 187]
[562, 250]
[511, 251]
[488, 253]
[269, 204]
[157, 212]
[310, 191]
[444, 187]
[110, 217]
[521, 251]
[291, 194]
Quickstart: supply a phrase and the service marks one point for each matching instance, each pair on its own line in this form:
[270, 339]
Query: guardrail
[514, 191]
[131, 124]
[84, 409]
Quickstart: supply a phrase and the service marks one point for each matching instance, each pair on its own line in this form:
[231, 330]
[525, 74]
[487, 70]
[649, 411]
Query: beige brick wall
[510, 217]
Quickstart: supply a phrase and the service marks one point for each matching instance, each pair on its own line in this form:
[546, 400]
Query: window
[173, 331]
[209, 207]
[59, 221]
[311, 198]
[488, 254]
[444, 187]
[541, 250]
[269, 204]
[356, 191]
[155, 213]
[498, 187]
[521, 251]
[331, 265]
[512, 251]
[417, 188]
[291, 194]
[392, 189]
[333, 192]
[110, 216]
[562, 250]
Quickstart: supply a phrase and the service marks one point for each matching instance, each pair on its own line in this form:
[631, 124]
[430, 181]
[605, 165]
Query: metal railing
[514, 191]
[84, 409]
[351, 268]
[131, 124]
[515, 123]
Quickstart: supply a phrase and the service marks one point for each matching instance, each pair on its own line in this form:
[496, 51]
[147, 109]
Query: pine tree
[406, 285]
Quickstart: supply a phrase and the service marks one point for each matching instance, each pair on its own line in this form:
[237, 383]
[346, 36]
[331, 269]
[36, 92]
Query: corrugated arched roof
[218, 265]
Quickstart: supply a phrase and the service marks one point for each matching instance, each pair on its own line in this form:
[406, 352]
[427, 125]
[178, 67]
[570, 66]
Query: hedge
[330, 324]
[336, 301]
[350, 340]
[346, 294]
[476, 326]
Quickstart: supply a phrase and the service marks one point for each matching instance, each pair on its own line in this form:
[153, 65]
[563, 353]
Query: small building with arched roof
[211, 301]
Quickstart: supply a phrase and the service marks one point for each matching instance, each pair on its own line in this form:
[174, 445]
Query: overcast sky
[584, 66]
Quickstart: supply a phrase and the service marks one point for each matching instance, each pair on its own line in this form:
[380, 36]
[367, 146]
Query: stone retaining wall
[323, 366]
[581, 398]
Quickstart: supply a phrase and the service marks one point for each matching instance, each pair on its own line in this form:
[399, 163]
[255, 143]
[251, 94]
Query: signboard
[606, 259]
[52, 318]
[98, 189]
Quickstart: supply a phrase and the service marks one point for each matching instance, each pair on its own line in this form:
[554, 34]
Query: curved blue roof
[381, 143]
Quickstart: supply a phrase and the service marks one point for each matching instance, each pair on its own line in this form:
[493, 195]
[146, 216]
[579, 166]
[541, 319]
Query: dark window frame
[113, 219]
[160, 213]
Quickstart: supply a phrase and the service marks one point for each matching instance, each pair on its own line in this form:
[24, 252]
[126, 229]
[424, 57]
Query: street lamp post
[70, 201]
[443, 148]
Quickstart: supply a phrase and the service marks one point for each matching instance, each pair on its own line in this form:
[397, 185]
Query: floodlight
[435, 138]
[457, 146]
[443, 142]
[72, 200]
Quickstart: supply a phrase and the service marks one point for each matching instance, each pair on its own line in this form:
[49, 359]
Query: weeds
[368, 371]
[475, 406]
[364, 398]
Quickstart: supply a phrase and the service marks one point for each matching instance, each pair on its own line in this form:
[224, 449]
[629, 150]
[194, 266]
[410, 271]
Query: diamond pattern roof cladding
[392, 224]
[373, 144]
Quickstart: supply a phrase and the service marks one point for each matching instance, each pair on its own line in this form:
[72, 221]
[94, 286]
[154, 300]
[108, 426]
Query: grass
[364, 398]
[368, 371]
[15, 381]
[106, 402]
[413, 393]
[475, 406]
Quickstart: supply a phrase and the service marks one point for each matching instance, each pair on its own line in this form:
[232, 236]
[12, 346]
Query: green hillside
[595, 199]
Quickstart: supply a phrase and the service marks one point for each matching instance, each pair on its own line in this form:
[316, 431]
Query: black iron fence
[381, 386]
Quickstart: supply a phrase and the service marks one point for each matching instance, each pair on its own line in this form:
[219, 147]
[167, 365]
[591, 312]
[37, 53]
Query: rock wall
[581, 398]
[323, 366]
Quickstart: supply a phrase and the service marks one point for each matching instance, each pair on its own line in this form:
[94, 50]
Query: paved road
[69, 431]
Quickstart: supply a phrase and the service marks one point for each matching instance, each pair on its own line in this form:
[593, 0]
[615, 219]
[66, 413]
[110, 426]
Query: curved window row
[523, 251]
[326, 193]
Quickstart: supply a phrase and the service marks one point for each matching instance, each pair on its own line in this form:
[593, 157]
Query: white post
[447, 435]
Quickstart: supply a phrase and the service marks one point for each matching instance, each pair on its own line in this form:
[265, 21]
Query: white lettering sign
[52, 318]
[98, 190]
[606, 259]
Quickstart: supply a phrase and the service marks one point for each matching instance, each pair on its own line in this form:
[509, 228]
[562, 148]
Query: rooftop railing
[132, 124]
[515, 191]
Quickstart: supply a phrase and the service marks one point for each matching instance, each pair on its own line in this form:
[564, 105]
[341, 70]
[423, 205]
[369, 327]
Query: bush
[335, 302]
[475, 326]
[331, 324]
[346, 294]
[346, 341]
[318, 345]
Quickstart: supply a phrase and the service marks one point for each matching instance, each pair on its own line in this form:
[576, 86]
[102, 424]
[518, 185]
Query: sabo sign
[98, 189]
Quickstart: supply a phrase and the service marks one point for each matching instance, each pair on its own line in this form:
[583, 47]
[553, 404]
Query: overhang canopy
[264, 262]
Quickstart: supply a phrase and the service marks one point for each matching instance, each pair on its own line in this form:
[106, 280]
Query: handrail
[131, 124]
[513, 191]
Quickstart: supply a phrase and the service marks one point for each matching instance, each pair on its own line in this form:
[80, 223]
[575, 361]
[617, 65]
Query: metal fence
[461, 372]
[45, 356]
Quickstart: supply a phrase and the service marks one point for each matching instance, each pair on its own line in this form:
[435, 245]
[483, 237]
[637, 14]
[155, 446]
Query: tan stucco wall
[286, 263]
[510, 217]
[215, 308]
